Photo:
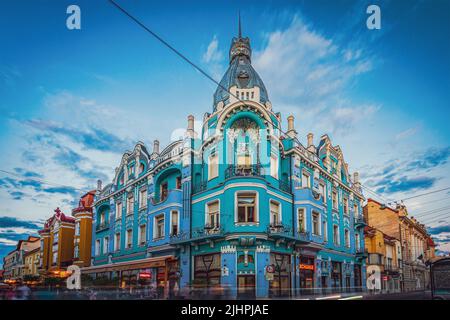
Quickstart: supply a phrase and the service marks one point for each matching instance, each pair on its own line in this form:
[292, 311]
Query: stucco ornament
[232, 134]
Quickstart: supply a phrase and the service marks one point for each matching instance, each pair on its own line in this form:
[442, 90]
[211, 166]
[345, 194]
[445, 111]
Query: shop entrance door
[246, 286]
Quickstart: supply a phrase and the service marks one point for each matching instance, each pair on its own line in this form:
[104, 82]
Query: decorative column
[262, 260]
[228, 269]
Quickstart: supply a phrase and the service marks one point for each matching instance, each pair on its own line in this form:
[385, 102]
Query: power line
[178, 53]
[433, 201]
[376, 194]
[424, 194]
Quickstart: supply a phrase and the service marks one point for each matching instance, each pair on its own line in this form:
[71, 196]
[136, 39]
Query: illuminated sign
[145, 275]
[306, 266]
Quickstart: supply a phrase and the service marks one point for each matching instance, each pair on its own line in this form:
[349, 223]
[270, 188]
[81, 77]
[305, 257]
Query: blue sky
[71, 102]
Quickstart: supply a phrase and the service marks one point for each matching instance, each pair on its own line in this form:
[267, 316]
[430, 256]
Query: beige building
[31, 263]
[416, 244]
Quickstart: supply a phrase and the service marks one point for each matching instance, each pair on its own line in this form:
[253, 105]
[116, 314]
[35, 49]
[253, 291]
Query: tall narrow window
[334, 200]
[346, 206]
[97, 247]
[174, 223]
[274, 166]
[213, 167]
[336, 235]
[315, 223]
[355, 210]
[178, 183]
[105, 245]
[305, 180]
[325, 230]
[159, 227]
[130, 204]
[129, 238]
[323, 192]
[357, 244]
[246, 207]
[164, 191]
[301, 220]
[141, 168]
[275, 218]
[142, 234]
[117, 242]
[143, 198]
[213, 214]
[347, 238]
[118, 210]
[102, 218]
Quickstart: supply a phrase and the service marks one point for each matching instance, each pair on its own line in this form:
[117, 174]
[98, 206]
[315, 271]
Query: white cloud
[213, 58]
[7, 242]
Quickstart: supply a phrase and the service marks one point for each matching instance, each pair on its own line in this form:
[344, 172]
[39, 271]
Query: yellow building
[57, 239]
[383, 261]
[83, 230]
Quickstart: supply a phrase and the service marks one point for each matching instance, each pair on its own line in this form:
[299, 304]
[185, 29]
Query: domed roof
[240, 73]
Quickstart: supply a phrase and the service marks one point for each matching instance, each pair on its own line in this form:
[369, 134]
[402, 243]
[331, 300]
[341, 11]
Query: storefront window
[307, 269]
[207, 270]
[336, 276]
[281, 283]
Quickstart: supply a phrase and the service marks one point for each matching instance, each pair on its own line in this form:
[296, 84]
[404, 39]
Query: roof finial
[239, 22]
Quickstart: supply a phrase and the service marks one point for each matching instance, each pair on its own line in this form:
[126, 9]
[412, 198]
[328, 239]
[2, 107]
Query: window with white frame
[174, 227]
[130, 204]
[325, 230]
[347, 238]
[357, 244]
[142, 234]
[77, 228]
[117, 242]
[336, 235]
[213, 166]
[97, 247]
[246, 207]
[322, 192]
[129, 238]
[143, 198]
[159, 227]
[119, 208]
[355, 210]
[213, 211]
[315, 223]
[334, 200]
[274, 166]
[346, 206]
[301, 220]
[306, 181]
[275, 213]
[105, 245]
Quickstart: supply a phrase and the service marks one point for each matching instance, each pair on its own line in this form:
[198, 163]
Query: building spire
[239, 24]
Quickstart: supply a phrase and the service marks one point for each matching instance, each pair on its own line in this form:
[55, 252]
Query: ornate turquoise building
[241, 208]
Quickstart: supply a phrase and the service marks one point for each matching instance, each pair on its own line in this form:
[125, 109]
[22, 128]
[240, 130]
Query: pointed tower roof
[240, 72]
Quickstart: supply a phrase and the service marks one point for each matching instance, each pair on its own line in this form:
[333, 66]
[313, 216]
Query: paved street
[415, 295]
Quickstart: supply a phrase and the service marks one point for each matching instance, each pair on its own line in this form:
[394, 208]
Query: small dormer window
[253, 94]
[141, 168]
[247, 95]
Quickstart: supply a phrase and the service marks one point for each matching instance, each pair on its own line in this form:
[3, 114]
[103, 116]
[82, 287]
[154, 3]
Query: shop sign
[385, 278]
[145, 275]
[269, 276]
[225, 272]
[303, 266]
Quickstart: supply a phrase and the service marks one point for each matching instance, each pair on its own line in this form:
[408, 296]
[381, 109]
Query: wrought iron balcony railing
[102, 226]
[199, 187]
[285, 186]
[243, 171]
[359, 221]
[206, 232]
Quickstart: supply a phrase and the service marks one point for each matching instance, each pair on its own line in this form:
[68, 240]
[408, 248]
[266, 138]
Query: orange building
[57, 239]
[83, 230]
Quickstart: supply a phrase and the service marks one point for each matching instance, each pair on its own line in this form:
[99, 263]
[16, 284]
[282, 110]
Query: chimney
[190, 127]
[355, 177]
[310, 137]
[99, 185]
[291, 131]
[156, 146]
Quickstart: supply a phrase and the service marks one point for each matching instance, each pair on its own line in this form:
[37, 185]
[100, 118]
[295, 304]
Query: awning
[130, 265]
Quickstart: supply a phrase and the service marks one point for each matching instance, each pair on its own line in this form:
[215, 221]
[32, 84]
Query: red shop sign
[145, 275]
[303, 266]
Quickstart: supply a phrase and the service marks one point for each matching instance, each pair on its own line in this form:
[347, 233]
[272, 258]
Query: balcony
[243, 171]
[199, 187]
[359, 222]
[174, 195]
[277, 230]
[285, 186]
[102, 226]
[197, 234]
